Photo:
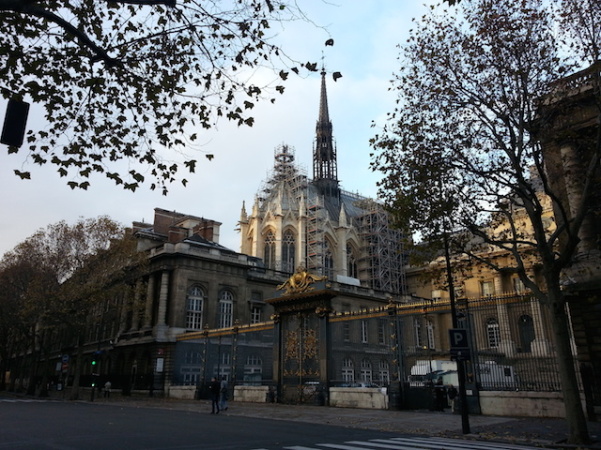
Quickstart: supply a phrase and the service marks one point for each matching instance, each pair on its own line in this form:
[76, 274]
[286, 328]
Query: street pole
[465, 421]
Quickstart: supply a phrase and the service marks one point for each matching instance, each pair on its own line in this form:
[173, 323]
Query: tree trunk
[31, 385]
[77, 371]
[575, 417]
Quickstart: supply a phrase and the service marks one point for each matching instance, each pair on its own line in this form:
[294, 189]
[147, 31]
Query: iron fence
[511, 348]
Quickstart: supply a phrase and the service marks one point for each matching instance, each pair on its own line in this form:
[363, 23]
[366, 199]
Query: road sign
[460, 354]
[458, 338]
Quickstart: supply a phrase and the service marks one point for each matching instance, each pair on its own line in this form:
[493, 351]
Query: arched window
[194, 304]
[288, 251]
[226, 309]
[493, 333]
[527, 334]
[348, 371]
[269, 250]
[328, 261]
[366, 371]
[351, 262]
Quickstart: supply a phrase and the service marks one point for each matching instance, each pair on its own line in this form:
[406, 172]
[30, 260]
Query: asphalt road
[78, 425]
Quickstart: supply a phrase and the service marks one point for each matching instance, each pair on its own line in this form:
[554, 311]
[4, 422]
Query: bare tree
[462, 151]
[75, 270]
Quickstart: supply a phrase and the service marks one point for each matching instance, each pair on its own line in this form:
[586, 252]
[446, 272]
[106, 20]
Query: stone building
[571, 143]
[297, 221]
[193, 283]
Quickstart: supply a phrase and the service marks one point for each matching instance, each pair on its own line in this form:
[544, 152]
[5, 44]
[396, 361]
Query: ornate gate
[300, 358]
[301, 316]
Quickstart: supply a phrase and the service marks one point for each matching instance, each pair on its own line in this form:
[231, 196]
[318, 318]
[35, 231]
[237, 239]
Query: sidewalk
[546, 433]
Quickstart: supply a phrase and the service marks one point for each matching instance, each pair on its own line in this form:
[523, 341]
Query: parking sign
[458, 338]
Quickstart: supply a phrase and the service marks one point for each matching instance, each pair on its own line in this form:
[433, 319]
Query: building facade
[296, 221]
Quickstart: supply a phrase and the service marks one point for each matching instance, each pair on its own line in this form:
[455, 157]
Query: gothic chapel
[296, 221]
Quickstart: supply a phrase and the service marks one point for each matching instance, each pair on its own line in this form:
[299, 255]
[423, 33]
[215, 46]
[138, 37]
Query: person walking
[440, 393]
[223, 394]
[107, 389]
[214, 388]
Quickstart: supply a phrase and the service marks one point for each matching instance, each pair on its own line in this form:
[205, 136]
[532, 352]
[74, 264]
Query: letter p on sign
[458, 338]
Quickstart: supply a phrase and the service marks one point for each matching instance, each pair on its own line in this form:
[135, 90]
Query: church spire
[325, 171]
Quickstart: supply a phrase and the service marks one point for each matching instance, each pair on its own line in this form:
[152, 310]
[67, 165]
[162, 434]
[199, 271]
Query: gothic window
[493, 332]
[351, 262]
[348, 371]
[269, 250]
[226, 309]
[527, 334]
[430, 334]
[366, 375]
[194, 304]
[288, 251]
[328, 261]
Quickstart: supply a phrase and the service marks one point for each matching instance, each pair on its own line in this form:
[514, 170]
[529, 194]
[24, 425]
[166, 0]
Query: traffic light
[94, 366]
[15, 123]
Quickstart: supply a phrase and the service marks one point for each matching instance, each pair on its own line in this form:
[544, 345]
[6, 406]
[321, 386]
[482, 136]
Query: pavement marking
[442, 443]
[415, 443]
[24, 400]
[487, 445]
[300, 447]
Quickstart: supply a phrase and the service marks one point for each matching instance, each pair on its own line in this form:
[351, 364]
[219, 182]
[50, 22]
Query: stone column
[540, 345]
[573, 179]
[507, 345]
[149, 302]
[135, 316]
[161, 326]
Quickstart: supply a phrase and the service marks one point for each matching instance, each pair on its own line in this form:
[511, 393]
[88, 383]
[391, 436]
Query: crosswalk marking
[412, 443]
[462, 444]
[343, 447]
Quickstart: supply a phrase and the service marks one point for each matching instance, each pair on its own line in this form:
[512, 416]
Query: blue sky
[366, 35]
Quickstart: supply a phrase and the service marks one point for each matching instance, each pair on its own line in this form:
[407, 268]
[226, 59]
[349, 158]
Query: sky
[366, 34]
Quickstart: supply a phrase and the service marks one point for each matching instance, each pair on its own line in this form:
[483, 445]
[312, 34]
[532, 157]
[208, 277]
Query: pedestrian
[440, 393]
[223, 394]
[214, 388]
[107, 389]
[452, 394]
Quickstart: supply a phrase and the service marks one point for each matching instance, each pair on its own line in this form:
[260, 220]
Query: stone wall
[522, 404]
[182, 392]
[365, 398]
[252, 394]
